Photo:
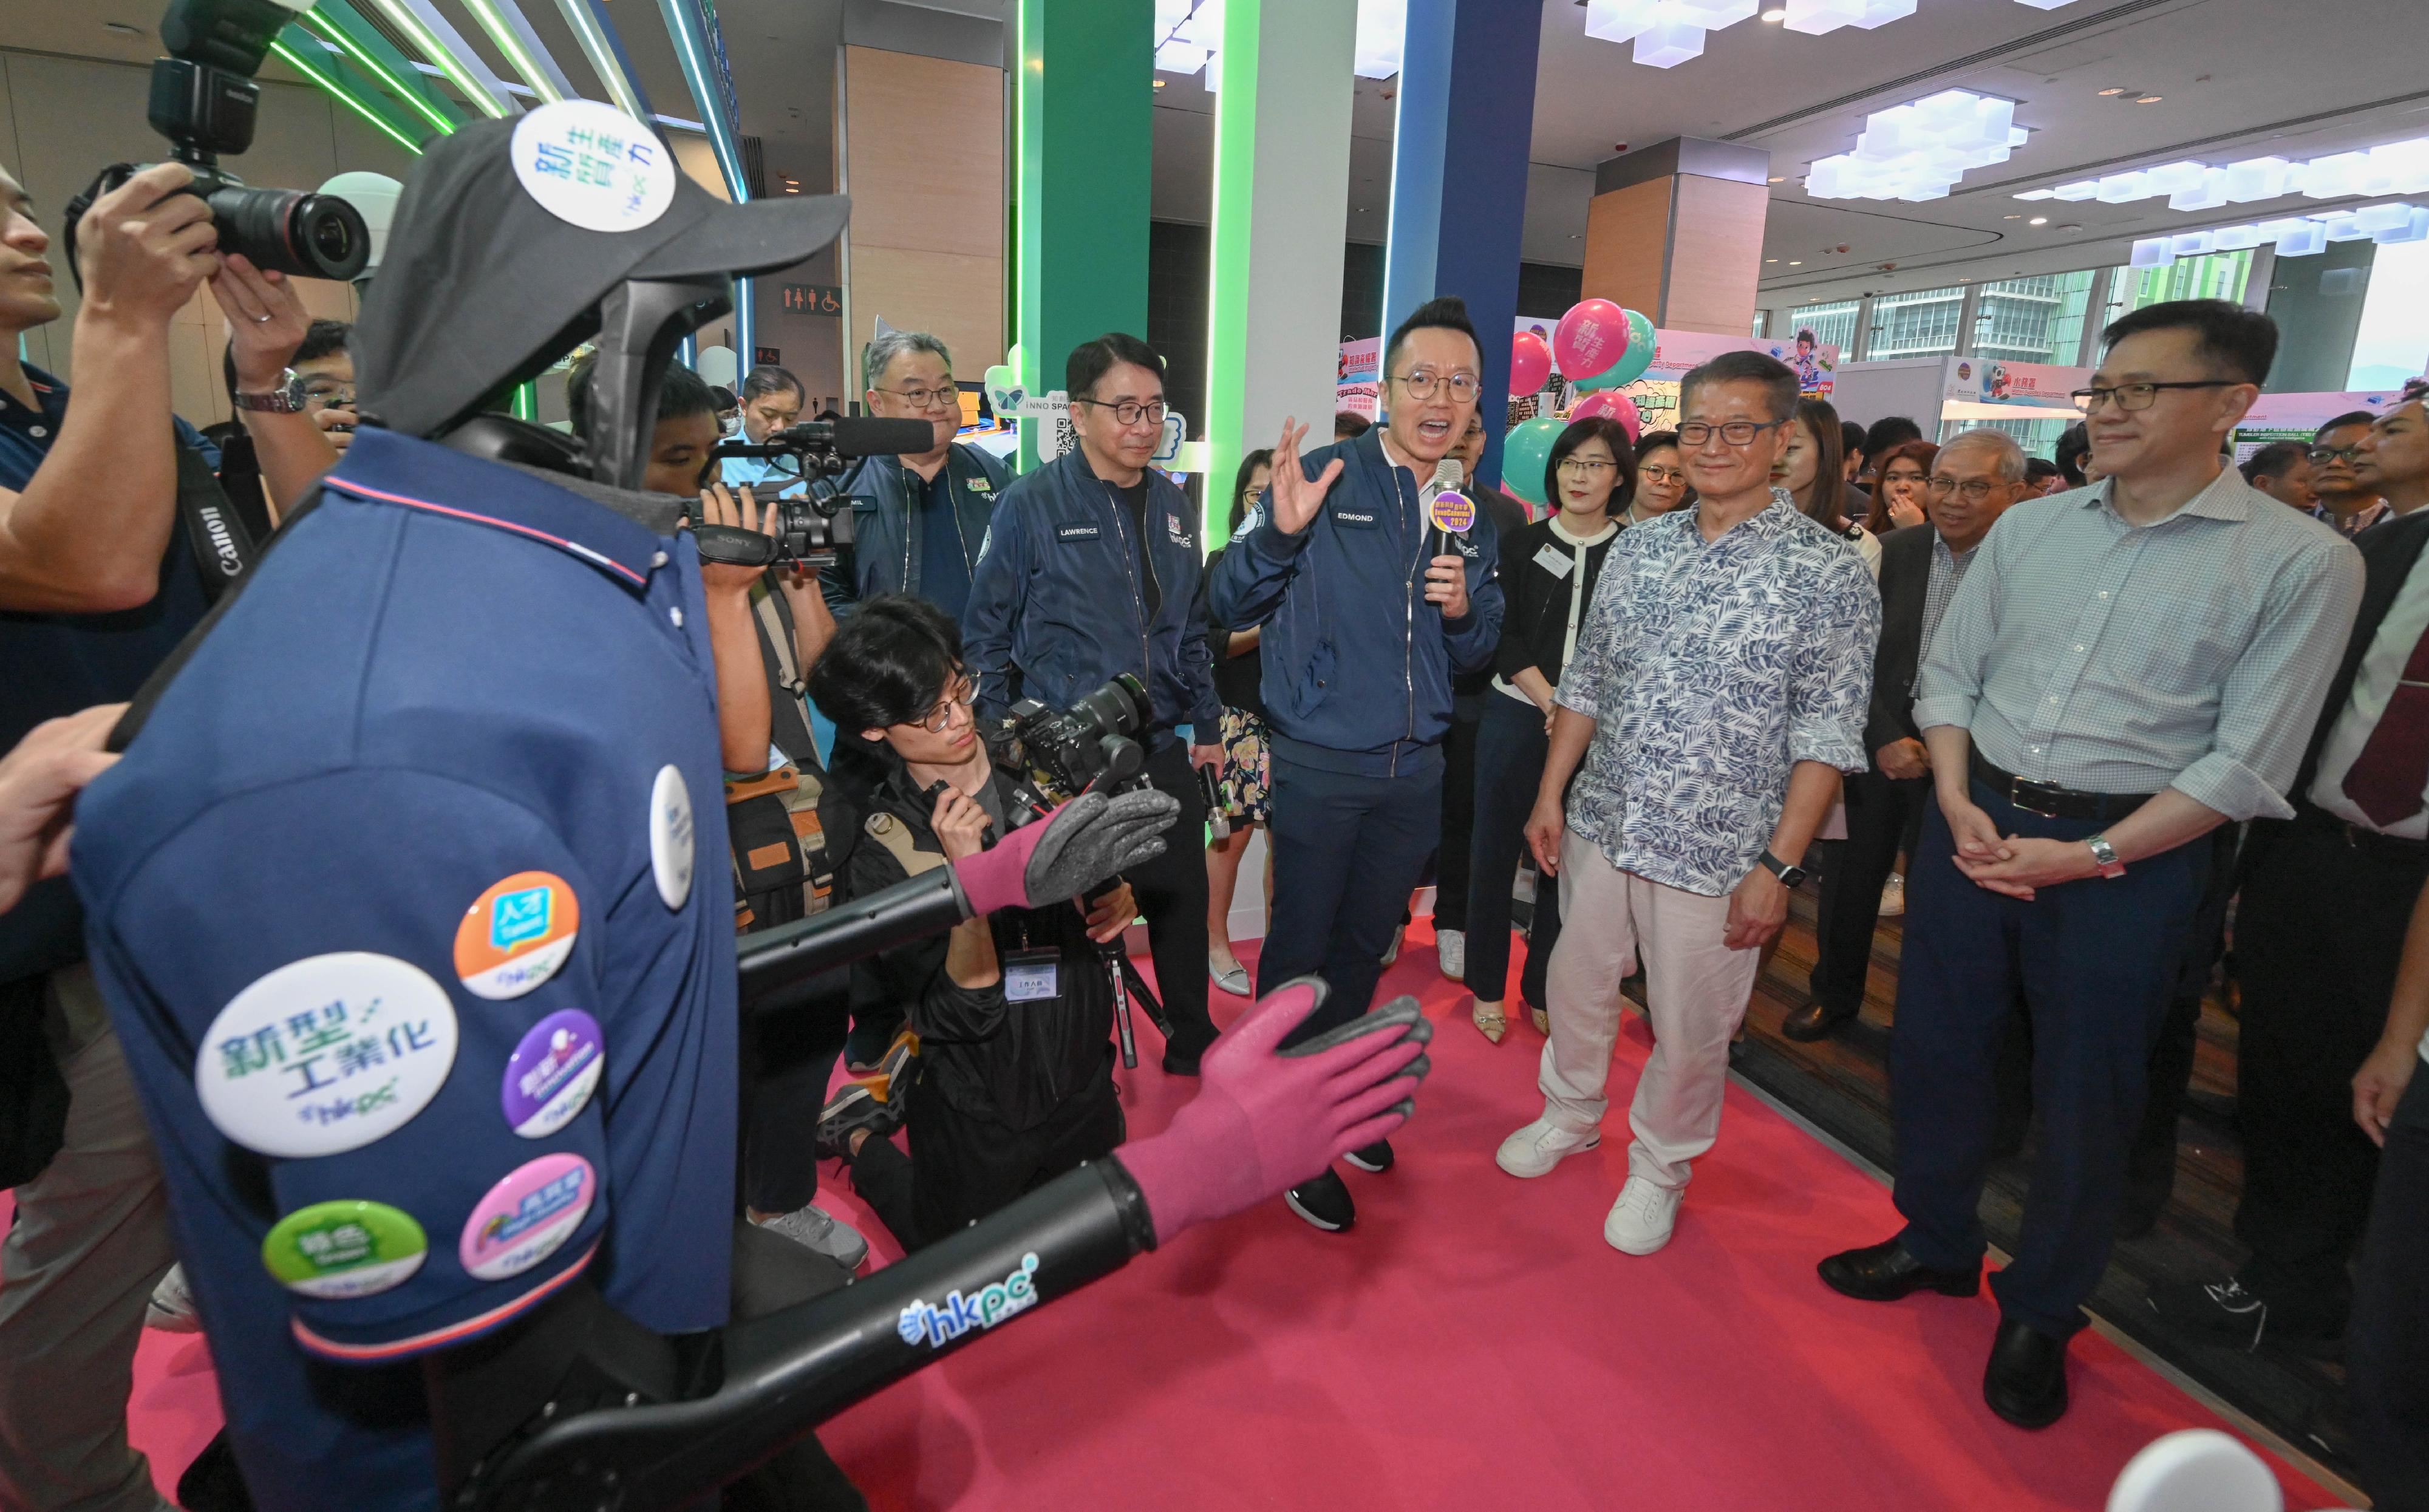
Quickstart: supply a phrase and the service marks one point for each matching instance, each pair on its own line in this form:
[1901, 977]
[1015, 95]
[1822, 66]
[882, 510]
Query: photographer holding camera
[1014, 1011]
[1090, 570]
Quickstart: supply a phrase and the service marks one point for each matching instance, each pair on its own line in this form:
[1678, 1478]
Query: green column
[1086, 155]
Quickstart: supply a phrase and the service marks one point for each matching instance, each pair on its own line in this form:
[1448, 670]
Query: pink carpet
[1472, 1343]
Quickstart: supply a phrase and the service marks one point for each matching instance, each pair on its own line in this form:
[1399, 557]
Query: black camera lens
[287, 231]
[1119, 708]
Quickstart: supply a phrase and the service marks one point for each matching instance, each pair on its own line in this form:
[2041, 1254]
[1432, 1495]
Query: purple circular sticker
[525, 1217]
[552, 1073]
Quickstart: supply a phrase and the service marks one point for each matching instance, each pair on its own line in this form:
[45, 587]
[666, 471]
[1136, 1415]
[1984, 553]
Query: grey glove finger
[1401, 1018]
[1094, 837]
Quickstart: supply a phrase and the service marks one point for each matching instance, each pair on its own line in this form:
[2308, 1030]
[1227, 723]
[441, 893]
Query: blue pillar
[1459, 175]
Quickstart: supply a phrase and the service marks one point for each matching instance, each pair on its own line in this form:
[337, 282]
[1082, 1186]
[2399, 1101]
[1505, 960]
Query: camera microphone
[862, 437]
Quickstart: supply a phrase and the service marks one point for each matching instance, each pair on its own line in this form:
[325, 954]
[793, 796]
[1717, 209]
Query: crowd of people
[2065, 716]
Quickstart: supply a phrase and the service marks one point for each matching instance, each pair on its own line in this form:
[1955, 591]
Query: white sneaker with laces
[1538, 1147]
[1893, 895]
[171, 1308]
[1641, 1220]
[1450, 948]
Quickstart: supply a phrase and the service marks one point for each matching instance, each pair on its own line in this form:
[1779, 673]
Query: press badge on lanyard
[1031, 976]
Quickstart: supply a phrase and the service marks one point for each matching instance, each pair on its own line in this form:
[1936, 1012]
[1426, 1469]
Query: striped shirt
[2191, 654]
[1939, 590]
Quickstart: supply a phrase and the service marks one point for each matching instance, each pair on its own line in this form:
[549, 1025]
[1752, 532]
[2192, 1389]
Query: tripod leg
[1122, 1014]
[1140, 990]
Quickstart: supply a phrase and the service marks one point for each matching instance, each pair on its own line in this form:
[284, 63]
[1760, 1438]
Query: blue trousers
[1347, 849]
[2389, 1338]
[1511, 747]
[2097, 962]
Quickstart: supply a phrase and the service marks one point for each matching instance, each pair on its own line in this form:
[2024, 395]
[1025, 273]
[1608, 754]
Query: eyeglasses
[1591, 466]
[2132, 396]
[963, 692]
[1972, 490]
[1661, 475]
[2322, 455]
[1736, 433]
[927, 398]
[1130, 411]
[1424, 383]
[330, 396]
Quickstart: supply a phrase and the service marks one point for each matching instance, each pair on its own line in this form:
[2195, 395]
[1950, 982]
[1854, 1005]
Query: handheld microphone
[1448, 474]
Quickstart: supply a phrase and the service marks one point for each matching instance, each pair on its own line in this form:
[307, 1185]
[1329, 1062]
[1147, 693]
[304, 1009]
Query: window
[1761, 325]
[1833, 324]
[2218, 275]
[1920, 324]
[2033, 319]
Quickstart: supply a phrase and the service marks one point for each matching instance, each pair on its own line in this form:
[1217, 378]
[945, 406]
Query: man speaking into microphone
[1374, 589]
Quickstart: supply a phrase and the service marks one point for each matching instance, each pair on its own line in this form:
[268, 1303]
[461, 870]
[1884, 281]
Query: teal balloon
[1524, 451]
[1631, 363]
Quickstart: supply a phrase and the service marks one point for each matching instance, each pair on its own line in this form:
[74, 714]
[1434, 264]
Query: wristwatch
[2105, 855]
[1789, 876]
[286, 399]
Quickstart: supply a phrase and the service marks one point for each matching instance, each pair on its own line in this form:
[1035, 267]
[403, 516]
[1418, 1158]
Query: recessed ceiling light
[2011, 218]
[1781, 178]
[2150, 99]
[1796, 262]
[2038, 220]
[1771, 259]
[1773, 18]
[2107, 94]
[1159, 83]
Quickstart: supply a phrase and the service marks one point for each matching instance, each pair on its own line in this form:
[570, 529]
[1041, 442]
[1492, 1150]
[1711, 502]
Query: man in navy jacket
[1090, 568]
[1368, 612]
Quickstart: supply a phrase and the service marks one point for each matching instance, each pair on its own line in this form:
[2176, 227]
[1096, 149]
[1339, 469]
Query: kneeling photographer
[1014, 1011]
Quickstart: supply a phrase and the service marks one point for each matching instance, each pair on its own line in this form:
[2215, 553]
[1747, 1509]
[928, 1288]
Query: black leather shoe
[2025, 1382]
[1179, 1063]
[1884, 1271]
[1815, 1022]
[1374, 1159]
[1323, 1202]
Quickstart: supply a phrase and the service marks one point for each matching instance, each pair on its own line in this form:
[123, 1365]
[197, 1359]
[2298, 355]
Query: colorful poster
[1980, 388]
[1356, 383]
[1674, 354]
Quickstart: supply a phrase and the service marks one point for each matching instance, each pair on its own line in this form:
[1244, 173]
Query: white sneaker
[172, 1309]
[1450, 948]
[1393, 954]
[1893, 896]
[1640, 1221]
[1538, 1147]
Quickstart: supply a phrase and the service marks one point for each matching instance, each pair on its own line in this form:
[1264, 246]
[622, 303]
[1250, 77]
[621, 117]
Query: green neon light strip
[1226, 313]
[369, 51]
[443, 58]
[511, 43]
[328, 81]
[603, 57]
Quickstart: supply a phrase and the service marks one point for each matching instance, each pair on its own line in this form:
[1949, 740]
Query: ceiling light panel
[1919, 151]
[2397, 168]
[2294, 236]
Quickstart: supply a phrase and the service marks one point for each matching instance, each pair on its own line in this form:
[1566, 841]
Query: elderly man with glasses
[2124, 671]
[2353, 507]
[919, 520]
[1091, 570]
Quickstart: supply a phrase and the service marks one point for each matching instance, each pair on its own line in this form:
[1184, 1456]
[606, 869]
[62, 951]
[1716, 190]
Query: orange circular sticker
[1452, 511]
[515, 935]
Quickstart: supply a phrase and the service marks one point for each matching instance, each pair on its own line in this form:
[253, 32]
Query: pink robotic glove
[1087, 841]
[1265, 1120]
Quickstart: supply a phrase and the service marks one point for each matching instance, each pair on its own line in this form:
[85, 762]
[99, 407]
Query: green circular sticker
[344, 1249]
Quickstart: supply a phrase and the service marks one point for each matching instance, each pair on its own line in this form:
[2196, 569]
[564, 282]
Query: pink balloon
[1530, 365]
[1591, 338]
[1612, 404]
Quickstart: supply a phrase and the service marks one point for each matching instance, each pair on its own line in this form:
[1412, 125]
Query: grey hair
[2010, 456]
[888, 345]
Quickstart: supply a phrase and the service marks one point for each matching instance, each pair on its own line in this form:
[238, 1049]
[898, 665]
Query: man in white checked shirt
[2128, 667]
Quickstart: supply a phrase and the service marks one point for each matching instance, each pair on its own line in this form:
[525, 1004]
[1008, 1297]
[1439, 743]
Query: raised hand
[1297, 498]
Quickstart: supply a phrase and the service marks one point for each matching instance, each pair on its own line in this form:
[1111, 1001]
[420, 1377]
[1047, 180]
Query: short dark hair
[1447, 312]
[1092, 360]
[2038, 470]
[1778, 378]
[1348, 425]
[2235, 342]
[1615, 435]
[1262, 457]
[2074, 445]
[321, 339]
[1851, 438]
[2351, 417]
[1655, 440]
[886, 665]
[682, 393]
[767, 378]
[1887, 431]
[2274, 460]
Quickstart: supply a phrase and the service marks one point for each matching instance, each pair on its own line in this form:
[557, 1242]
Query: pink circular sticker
[526, 1217]
[1452, 511]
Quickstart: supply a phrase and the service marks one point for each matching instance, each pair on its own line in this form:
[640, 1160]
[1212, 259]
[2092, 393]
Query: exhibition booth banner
[2299, 417]
[1979, 388]
[1357, 383]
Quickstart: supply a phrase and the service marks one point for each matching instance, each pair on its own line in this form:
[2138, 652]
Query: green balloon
[1524, 451]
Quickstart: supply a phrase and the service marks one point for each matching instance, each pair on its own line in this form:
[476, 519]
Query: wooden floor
[1842, 1086]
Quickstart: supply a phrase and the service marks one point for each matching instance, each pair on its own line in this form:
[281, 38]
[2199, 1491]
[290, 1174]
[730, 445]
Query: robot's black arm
[784, 1373]
[927, 904]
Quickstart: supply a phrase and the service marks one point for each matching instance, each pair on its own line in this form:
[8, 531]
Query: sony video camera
[203, 100]
[810, 529]
[1086, 748]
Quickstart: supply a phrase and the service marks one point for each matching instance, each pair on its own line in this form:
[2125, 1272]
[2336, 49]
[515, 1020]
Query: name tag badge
[980, 485]
[1356, 519]
[1555, 560]
[1076, 533]
[1031, 975]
